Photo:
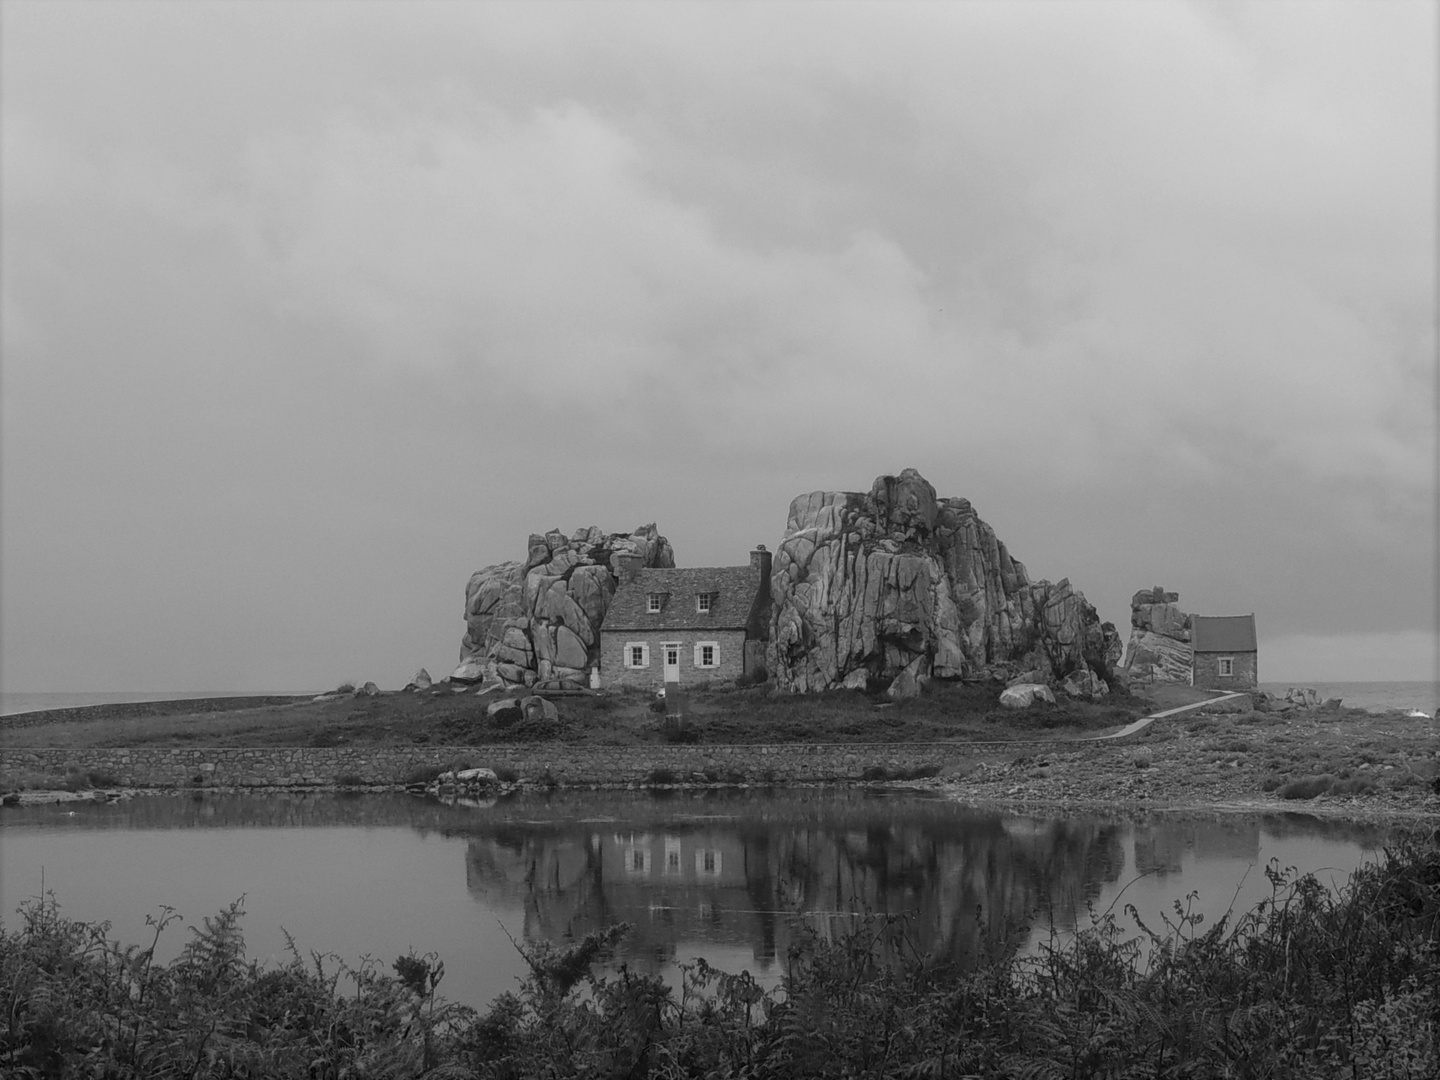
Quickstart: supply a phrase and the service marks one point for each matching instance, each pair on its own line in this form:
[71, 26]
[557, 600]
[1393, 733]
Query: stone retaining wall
[301, 766]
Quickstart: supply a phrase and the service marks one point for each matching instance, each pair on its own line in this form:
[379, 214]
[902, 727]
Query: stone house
[1224, 654]
[688, 626]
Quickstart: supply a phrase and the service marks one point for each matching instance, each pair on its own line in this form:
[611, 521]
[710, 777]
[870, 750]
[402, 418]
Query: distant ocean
[1375, 696]
[21, 703]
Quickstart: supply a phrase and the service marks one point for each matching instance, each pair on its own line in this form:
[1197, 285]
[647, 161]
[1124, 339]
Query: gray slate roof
[1222, 633]
[733, 589]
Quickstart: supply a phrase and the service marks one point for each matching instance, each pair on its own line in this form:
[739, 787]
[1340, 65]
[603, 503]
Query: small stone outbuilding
[691, 627]
[1225, 653]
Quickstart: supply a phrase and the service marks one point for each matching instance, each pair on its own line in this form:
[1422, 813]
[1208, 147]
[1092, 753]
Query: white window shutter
[697, 655]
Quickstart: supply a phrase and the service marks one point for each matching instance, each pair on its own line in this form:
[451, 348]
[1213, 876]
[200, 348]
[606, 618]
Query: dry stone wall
[279, 767]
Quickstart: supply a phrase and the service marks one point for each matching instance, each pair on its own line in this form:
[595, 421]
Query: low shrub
[661, 776]
[1354, 785]
[682, 734]
[921, 772]
[1142, 757]
[506, 716]
[1307, 787]
[349, 780]
[422, 774]
[880, 773]
[504, 774]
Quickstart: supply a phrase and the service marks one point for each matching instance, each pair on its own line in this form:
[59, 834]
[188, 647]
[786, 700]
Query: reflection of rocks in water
[1160, 845]
[967, 880]
[1158, 850]
[1072, 860]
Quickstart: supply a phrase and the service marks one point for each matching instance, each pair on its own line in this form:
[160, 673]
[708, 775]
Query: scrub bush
[422, 774]
[1306, 787]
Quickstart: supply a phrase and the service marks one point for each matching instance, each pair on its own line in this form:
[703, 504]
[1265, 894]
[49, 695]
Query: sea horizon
[1376, 695]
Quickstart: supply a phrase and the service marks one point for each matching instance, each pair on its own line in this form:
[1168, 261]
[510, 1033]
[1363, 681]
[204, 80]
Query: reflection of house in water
[671, 886]
[965, 879]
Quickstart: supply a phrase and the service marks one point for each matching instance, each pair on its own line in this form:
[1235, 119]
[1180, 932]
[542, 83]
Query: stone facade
[725, 607]
[1245, 671]
[729, 656]
[276, 767]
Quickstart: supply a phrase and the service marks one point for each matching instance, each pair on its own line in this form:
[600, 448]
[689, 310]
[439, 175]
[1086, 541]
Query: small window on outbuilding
[637, 654]
[1225, 666]
[653, 602]
[703, 601]
[707, 654]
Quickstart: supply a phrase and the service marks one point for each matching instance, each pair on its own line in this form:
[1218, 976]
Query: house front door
[672, 661]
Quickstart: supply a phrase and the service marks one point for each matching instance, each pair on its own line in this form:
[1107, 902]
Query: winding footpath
[1146, 721]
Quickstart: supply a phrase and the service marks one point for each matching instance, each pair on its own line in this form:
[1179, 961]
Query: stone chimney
[627, 567]
[760, 560]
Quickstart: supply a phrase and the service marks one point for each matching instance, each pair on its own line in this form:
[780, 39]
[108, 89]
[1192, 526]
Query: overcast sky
[310, 310]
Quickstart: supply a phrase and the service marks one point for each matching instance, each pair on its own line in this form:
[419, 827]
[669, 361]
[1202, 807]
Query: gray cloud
[311, 309]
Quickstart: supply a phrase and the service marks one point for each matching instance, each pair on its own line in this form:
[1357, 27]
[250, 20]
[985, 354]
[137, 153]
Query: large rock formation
[895, 586]
[537, 622]
[1159, 647]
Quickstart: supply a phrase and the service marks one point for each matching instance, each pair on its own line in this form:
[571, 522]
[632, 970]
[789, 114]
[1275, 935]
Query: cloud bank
[311, 309]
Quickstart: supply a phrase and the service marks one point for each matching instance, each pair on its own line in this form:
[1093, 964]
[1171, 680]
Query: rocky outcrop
[1159, 647]
[896, 586]
[536, 622]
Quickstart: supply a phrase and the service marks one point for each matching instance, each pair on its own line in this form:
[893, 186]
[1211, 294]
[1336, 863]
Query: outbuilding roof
[732, 590]
[1222, 633]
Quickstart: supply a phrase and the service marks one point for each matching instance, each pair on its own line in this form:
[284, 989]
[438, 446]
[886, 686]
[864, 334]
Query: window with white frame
[707, 863]
[1227, 665]
[652, 602]
[634, 853]
[707, 654]
[703, 601]
[672, 855]
[637, 654]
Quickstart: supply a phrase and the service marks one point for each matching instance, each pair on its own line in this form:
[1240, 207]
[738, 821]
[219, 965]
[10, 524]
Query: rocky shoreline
[1024, 786]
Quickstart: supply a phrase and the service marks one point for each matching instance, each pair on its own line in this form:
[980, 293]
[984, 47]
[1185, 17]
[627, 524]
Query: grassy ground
[752, 715]
[1357, 762]
[1350, 760]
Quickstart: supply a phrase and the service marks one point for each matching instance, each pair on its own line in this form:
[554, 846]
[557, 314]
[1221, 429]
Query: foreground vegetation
[1308, 984]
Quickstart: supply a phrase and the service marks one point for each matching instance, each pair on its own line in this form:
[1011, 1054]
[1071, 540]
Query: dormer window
[652, 603]
[703, 601]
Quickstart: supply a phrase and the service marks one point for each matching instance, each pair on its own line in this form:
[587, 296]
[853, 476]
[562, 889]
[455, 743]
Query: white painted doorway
[671, 652]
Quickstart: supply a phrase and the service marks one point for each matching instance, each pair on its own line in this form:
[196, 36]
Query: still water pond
[712, 875]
